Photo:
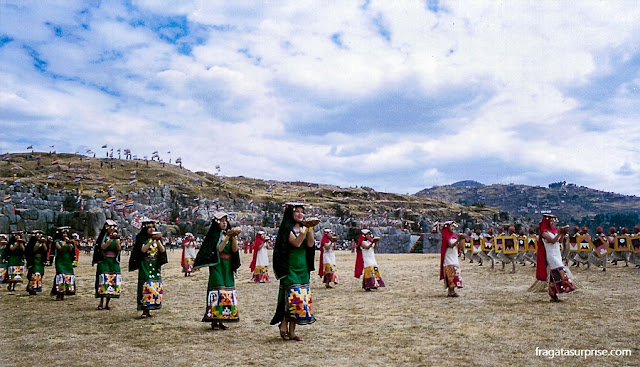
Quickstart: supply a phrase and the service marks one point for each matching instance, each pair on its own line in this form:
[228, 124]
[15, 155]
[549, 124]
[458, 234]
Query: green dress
[294, 293]
[108, 276]
[222, 301]
[36, 270]
[150, 288]
[65, 281]
[15, 265]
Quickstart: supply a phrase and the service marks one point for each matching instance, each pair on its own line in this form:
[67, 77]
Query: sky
[397, 96]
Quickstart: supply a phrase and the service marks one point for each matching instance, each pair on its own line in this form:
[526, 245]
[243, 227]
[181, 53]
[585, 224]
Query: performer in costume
[509, 258]
[106, 253]
[571, 243]
[582, 257]
[616, 256]
[372, 278]
[14, 258]
[3, 263]
[593, 255]
[219, 252]
[147, 256]
[328, 270]
[65, 254]
[51, 253]
[449, 265]
[635, 256]
[36, 253]
[550, 259]
[260, 263]
[487, 255]
[188, 254]
[293, 260]
[476, 246]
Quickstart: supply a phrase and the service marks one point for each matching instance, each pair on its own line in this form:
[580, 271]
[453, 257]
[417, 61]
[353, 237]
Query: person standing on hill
[260, 264]
[188, 254]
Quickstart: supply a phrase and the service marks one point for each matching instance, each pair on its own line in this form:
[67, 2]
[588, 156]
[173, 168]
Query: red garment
[256, 246]
[359, 262]
[324, 240]
[541, 267]
[447, 235]
[183, 245]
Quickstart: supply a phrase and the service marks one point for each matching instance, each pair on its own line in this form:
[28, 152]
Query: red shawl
[359, 261]
[541, 267]
[184, 242]
[324, 240]
[447, 235]
[256, 246]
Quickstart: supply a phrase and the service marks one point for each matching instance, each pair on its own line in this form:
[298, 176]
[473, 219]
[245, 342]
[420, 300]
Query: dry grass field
[410, 322]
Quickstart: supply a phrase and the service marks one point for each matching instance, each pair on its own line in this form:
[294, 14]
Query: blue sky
[397, 96]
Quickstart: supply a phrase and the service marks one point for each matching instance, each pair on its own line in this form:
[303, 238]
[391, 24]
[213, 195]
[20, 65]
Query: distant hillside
[253, 197]
[565, 200]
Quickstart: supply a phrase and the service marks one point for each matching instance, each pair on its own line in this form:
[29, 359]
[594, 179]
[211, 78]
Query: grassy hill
[94, 175]
[565, 200]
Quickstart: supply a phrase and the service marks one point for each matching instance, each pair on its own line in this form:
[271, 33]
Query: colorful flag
[7, 198]
[54, 161]
[38, 156]
[194, 211]
[110, 199]
[23, 200]
[119, 202]
[99, 179]
[133, 173]
[104, 146]
[30, 147]
[133, 182]
[110, 187]
[128, 203]
[17, 182]
[79, 200]
[178, 160]
[2, 182]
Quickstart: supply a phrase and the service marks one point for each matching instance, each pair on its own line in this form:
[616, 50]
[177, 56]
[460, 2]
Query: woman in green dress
[219, 252]
[14, 258]
[65, 254]
[3, 263]
[293, 258]
[36, 254]
[147, 256]
[106, 253]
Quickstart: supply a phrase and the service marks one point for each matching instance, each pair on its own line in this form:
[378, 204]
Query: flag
[5, 157]
[51, 176]
[104, 146]
[133, 182]
[17, 182]
[2, 182]
[133, 173]
[110, 199]
[99, 179]
[119, 202]
[23, 200]
[110, 187]
[194, 211]
[30, 147]
[54, 161]
[38, 156]
[196, 180]
[7, 198]
[128, 203]
[178, 160]
[88, 151]
[216, 200]
[79, 200]
[127, 151]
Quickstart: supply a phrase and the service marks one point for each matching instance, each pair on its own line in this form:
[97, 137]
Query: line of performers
[293, 260]
[577, 248]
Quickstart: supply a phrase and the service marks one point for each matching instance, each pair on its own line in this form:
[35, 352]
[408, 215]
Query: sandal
[143, 316]
[296, 338]
[223, 326]
[284, 334]
[214, 326]
[100, 307]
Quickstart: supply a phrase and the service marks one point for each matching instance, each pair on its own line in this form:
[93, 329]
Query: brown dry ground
[410, 322]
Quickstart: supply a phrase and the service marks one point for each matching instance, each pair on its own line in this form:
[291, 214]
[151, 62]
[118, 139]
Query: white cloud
[387, 95]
